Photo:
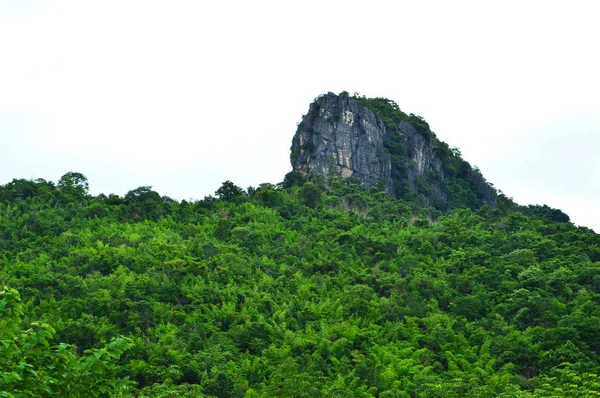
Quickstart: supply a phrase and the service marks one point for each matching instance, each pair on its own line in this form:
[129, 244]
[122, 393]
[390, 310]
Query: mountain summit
[373, 141]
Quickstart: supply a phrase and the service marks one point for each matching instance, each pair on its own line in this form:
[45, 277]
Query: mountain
[382, 266]
[372, 140]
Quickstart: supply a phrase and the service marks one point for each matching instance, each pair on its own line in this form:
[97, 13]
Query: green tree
[311, 194]
[73, 186]
[229, 192]
[30, 366]
[144, 203]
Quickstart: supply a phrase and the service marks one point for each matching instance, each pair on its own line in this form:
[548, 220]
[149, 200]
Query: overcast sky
[183, 95]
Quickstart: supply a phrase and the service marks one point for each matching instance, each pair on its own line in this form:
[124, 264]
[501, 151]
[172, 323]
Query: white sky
[183, 95]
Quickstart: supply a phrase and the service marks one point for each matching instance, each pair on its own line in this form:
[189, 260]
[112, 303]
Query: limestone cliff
[372, 140]
[340, 137]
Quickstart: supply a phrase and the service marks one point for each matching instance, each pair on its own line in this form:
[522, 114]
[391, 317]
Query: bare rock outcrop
[342, 137]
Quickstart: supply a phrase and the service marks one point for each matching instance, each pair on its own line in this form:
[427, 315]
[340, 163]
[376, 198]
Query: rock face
[422, 158]
[342, 137]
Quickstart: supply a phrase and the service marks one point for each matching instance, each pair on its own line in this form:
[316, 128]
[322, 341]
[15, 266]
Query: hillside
[321, 286]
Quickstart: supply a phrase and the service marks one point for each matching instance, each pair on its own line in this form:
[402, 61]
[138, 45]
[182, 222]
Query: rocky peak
[372, 140]
[340, 137]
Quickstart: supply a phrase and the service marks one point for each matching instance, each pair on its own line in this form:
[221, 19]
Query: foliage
[296, 289]
[30, 366]
[229, 191]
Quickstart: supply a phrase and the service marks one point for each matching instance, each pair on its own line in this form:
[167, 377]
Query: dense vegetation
[304, 289]
[463, 184]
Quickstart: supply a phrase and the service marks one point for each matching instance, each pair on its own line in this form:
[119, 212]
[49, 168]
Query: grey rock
[340, 137]
[422, 158]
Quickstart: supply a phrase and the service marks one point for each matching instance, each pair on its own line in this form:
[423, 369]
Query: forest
[307, 288]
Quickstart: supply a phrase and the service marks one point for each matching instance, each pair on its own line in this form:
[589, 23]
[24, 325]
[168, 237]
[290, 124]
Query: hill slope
[308, 289]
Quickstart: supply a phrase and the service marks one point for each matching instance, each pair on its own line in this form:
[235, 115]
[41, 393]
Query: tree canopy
[308, 288]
